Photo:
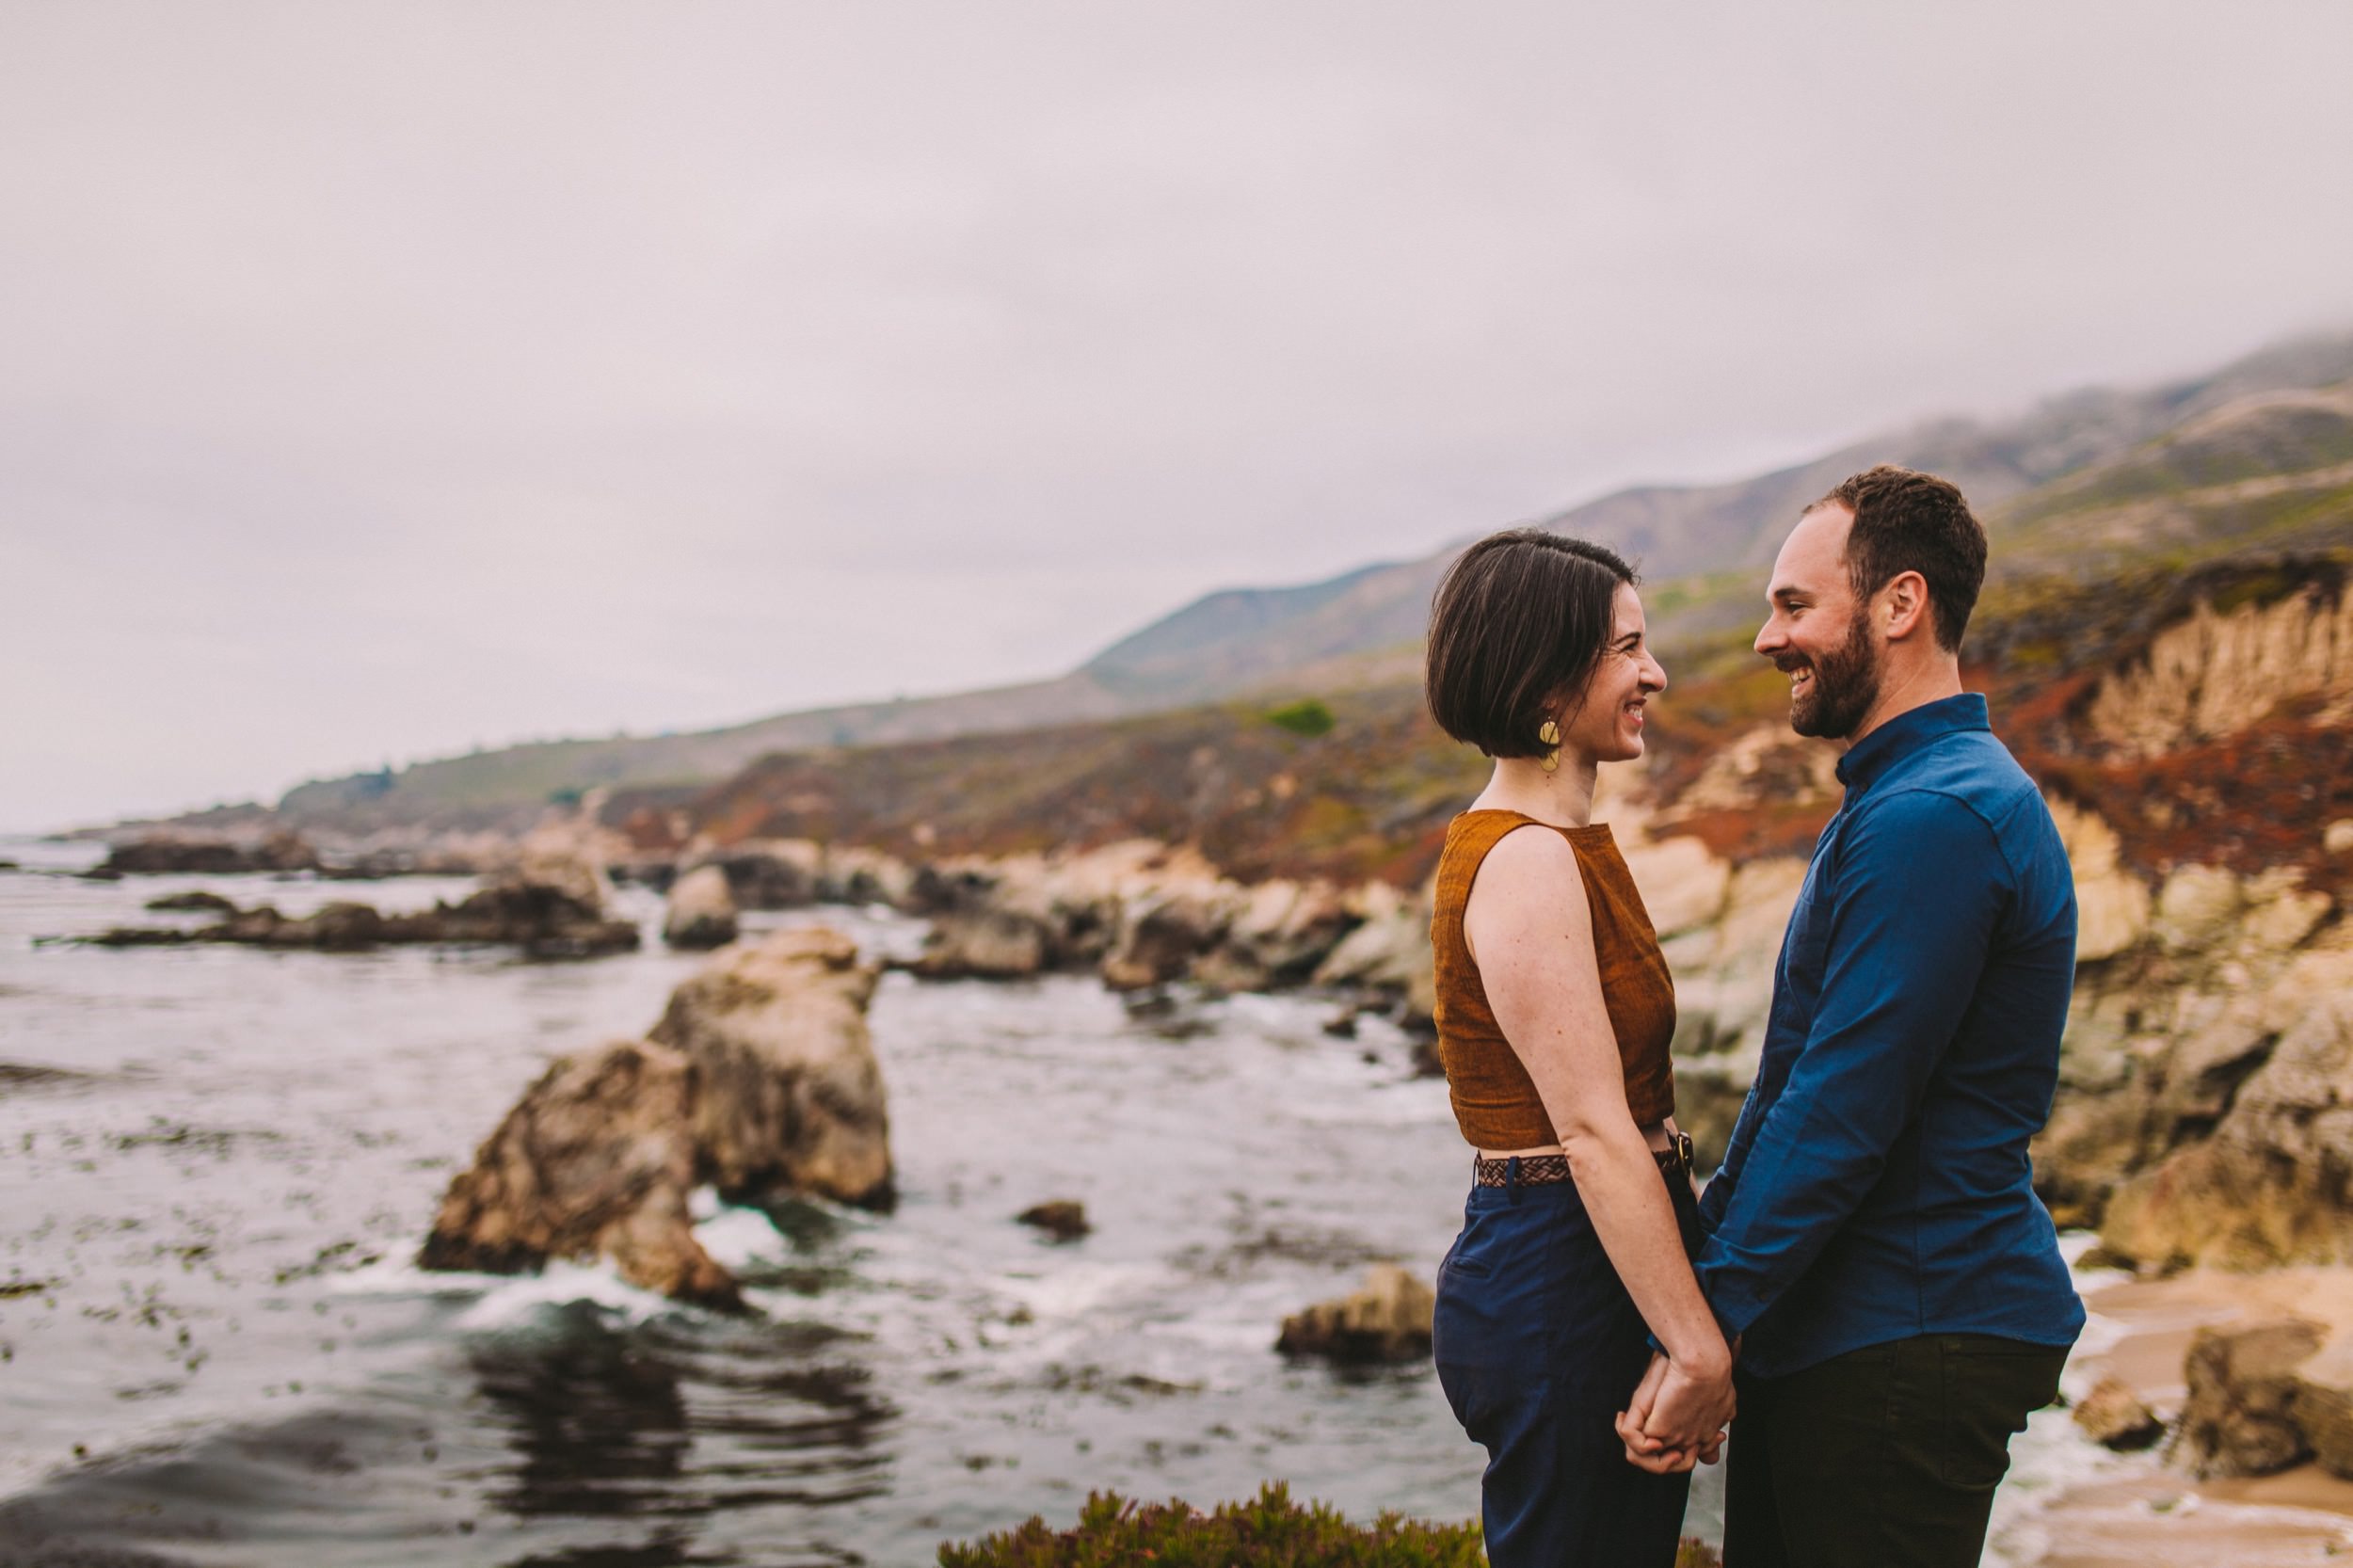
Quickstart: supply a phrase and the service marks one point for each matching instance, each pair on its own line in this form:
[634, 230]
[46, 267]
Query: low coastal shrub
[1307, 717]
[1269, 1531]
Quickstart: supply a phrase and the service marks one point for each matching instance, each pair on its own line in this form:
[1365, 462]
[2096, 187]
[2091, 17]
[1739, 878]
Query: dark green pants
[1886, 1457]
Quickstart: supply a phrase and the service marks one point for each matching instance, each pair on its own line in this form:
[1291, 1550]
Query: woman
[1554, 1013]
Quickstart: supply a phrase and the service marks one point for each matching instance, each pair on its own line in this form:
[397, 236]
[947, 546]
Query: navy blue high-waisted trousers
[1539, 1347]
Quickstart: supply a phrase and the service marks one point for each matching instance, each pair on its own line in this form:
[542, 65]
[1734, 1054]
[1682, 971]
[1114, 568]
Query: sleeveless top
[1495, 1100]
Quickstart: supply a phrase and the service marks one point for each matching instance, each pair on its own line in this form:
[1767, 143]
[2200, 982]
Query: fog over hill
[2116, 465]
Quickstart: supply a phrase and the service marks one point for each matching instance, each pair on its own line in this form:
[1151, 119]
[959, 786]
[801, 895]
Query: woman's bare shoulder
[1533, 866]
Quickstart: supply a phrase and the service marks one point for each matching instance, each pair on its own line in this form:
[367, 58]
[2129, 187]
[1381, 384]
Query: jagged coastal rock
[1389, 1319]
[759, 1079]
[2206, 1110]
[596, 1160]
[1143, 915]
[701, 910]
[788, 1095]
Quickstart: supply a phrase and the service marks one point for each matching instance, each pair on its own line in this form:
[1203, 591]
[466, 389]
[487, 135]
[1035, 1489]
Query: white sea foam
[506, 1301]
[517, 1302]
[733, 1237]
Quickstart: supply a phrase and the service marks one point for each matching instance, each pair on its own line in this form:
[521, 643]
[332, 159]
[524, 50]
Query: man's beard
[1846, 683]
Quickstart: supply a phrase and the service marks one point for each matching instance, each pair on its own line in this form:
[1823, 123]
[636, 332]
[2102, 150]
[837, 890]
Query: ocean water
[217, 1165]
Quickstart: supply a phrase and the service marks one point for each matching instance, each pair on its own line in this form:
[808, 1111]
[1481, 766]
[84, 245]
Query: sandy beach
[2143, 1514]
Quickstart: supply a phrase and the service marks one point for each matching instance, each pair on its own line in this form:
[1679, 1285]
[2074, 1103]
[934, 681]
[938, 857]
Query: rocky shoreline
[2151, 1511]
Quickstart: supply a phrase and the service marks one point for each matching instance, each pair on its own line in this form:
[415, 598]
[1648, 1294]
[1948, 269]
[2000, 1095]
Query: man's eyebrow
[1785, 590]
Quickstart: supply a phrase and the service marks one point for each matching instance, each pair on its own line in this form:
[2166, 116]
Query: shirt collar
[1907, 732]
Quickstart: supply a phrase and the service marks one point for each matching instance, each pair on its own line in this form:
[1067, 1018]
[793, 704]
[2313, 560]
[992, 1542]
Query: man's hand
[1674, 1420]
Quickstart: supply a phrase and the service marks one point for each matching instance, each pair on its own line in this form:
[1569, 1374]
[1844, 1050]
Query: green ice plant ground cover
[1269, 1531]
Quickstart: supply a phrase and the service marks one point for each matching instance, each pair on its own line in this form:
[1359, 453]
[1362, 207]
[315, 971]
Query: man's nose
[1769, 637]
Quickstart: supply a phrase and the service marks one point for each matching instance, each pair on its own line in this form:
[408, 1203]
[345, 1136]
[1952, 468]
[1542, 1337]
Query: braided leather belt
[1536, 1170]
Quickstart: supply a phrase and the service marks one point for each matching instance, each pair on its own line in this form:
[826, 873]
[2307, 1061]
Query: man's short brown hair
[1905, 521]
[1515, 629]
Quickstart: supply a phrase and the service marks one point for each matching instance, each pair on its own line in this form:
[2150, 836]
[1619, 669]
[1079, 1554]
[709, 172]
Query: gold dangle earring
[1550, 733]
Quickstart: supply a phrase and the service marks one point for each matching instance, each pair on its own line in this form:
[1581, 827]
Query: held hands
[1676, 1418]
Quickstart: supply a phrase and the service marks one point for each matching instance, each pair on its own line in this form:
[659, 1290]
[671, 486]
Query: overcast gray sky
[376, 381]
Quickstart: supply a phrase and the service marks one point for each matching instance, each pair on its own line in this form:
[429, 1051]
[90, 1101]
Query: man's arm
[1920, 884]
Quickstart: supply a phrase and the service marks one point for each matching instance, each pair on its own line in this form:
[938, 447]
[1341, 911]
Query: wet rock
[376, 865]
[166, 854]
[140, 936]
[950, 889]
[552, 908]
[1160, 936]
[790, 1098]
[2113, 1416]
[1388, 1320]
[1061, 1218]
[200, 901]
[596, 1160]
[779, 874]
[2239, 1418]
[855, 875]
[984, 944]
[1280, 935]
[701, 911]
[548, 910]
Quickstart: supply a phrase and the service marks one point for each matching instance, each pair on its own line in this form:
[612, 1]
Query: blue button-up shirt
[1876, 1185]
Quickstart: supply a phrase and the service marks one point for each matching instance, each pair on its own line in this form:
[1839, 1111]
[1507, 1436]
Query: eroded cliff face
[2219, 672]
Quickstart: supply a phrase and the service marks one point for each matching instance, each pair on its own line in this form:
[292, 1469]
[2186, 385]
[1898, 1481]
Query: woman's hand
[1676, 1417]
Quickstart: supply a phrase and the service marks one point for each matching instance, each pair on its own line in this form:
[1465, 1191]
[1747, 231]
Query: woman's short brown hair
[1518, 625]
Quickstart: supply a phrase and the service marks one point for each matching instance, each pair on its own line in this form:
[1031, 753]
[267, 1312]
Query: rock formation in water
[2113, 1416]
[759, 1079]
[596, 1160]
[2239, 1418]
[169, 854]
[1063, 1219]
[550, 908]
[197, 903]
[701, 910]
[789, 1096]
[1388, 1320]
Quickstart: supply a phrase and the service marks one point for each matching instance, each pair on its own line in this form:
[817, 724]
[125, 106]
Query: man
[1873, 1236]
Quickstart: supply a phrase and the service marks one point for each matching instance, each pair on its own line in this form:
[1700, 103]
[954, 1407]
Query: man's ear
[1904, 605]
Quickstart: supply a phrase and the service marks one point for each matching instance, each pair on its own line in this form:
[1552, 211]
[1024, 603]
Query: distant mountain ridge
[1675, 532]
[1359, 627]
